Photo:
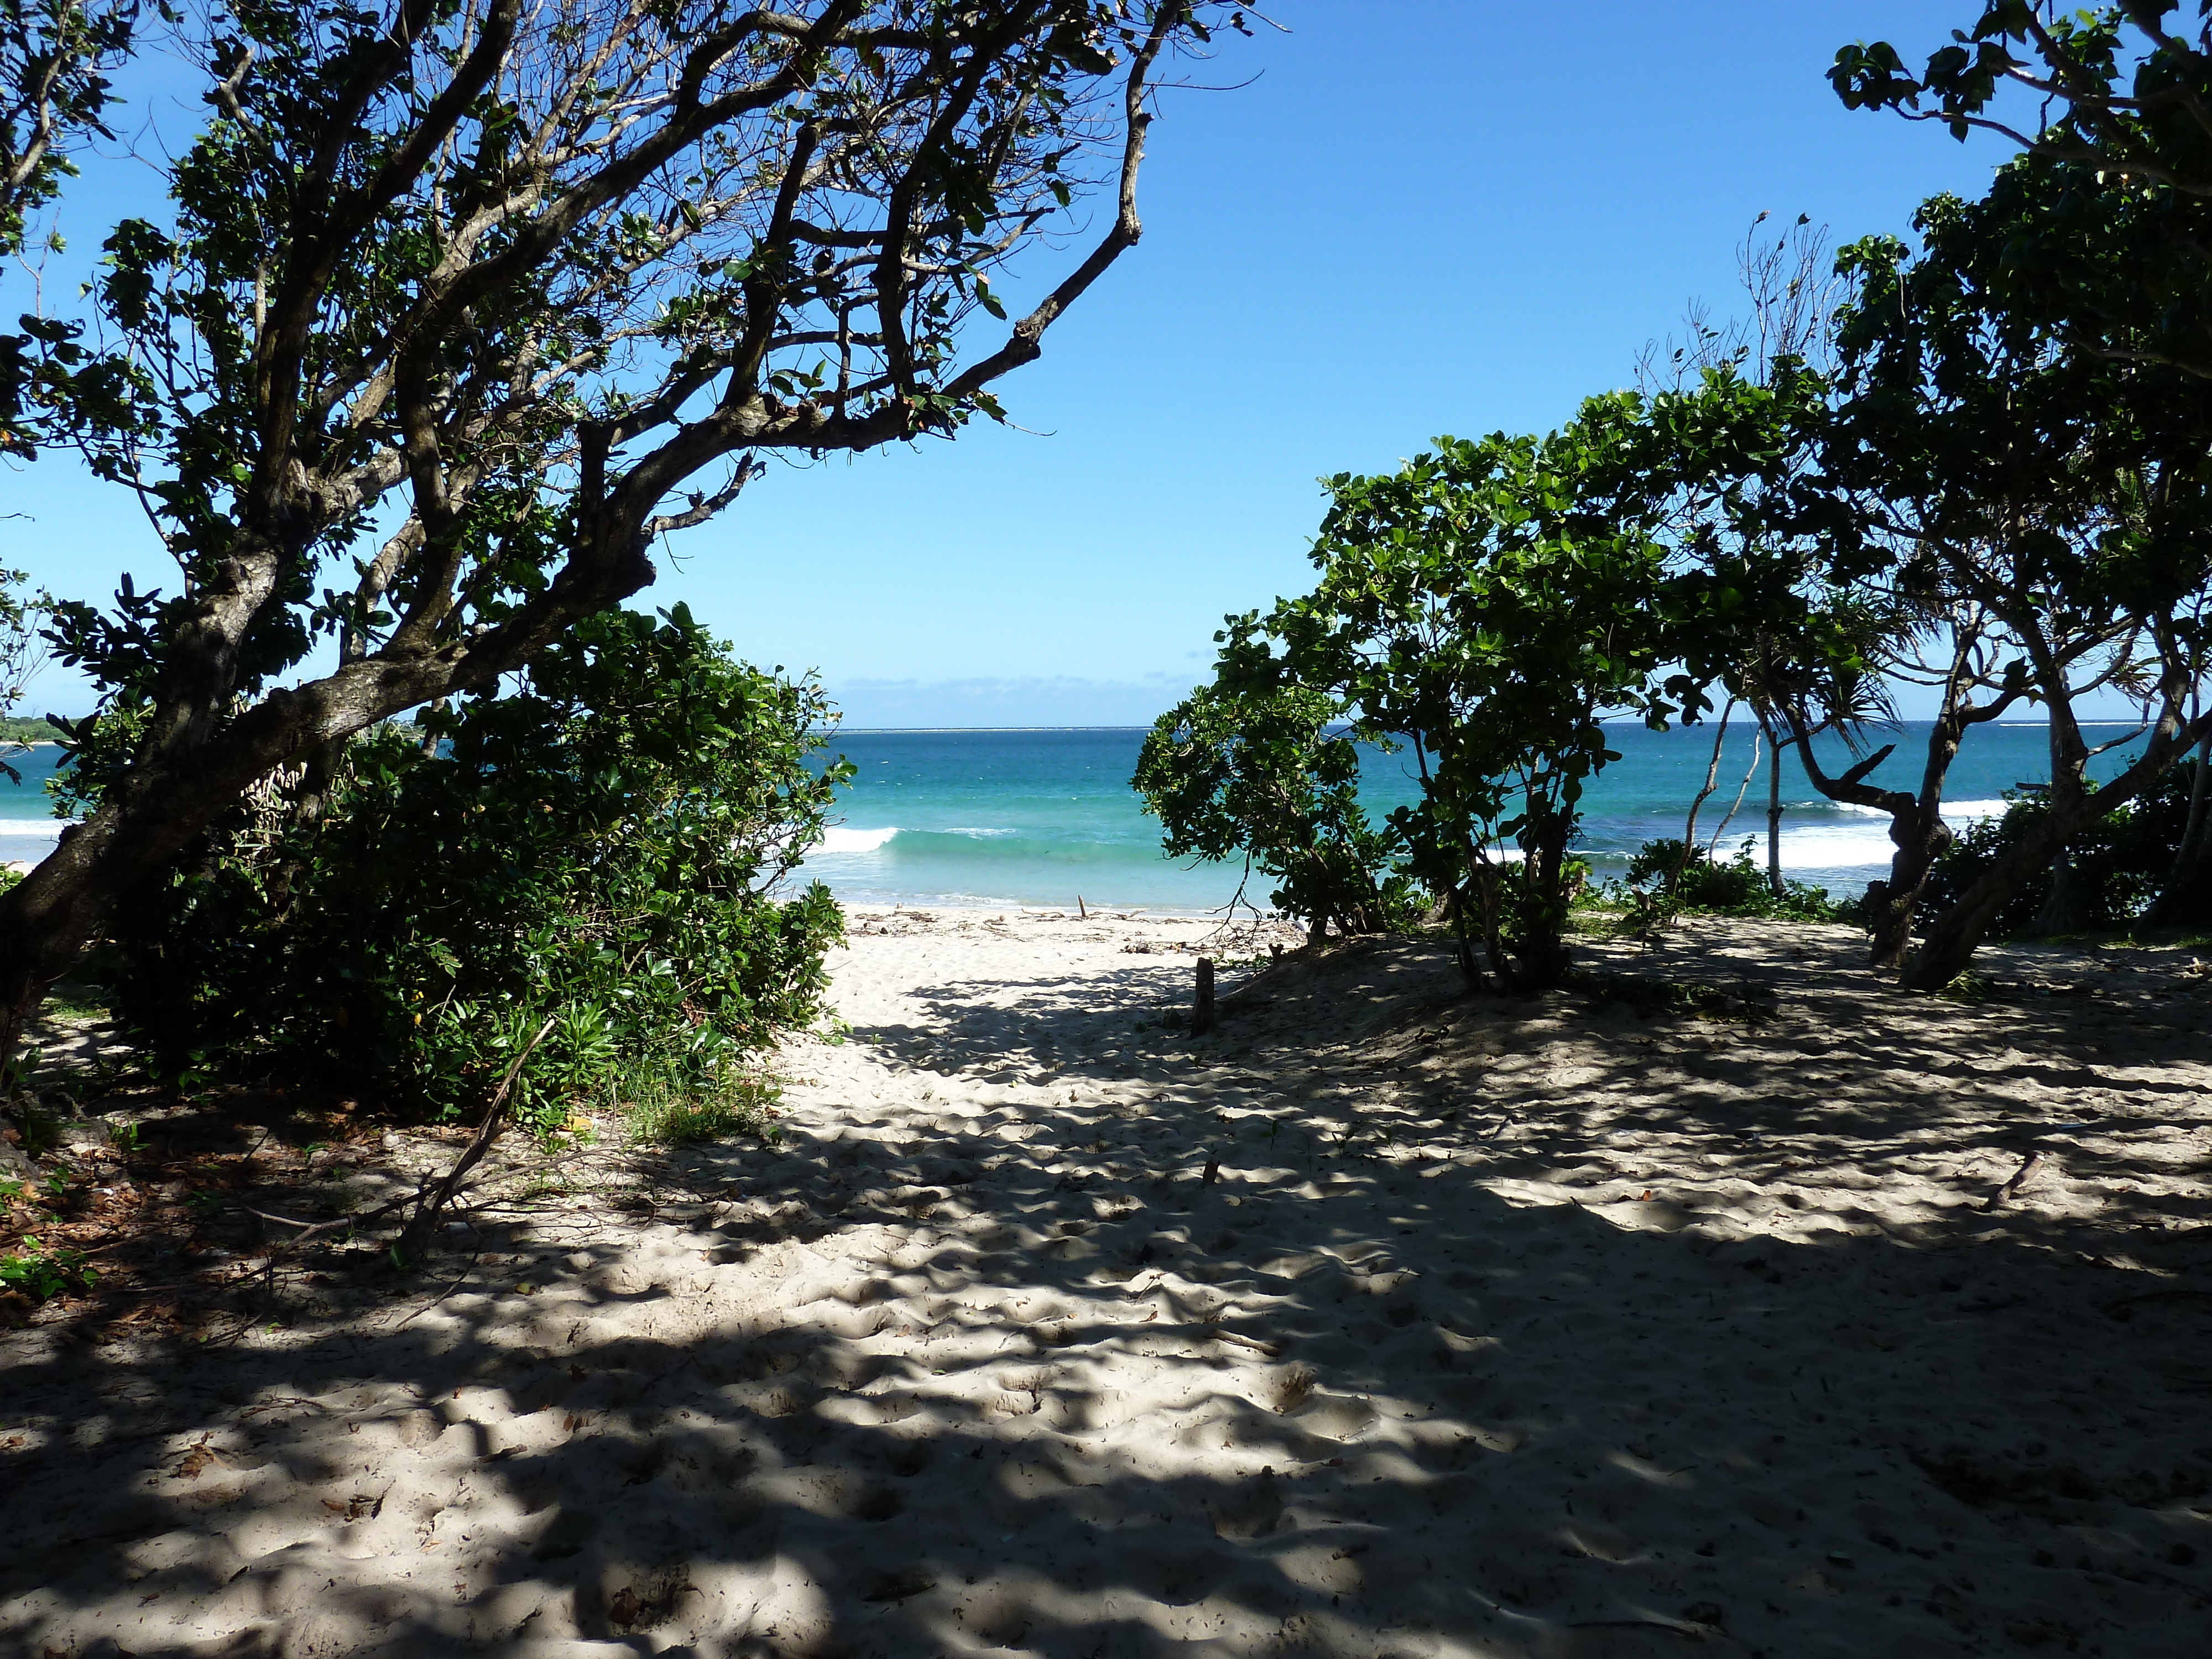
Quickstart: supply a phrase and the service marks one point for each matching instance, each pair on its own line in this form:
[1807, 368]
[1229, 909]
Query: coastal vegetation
[594, 861]
[1706, 1288]
[1980, 469]
[18, 654]
[1270, 776]
[461, 312]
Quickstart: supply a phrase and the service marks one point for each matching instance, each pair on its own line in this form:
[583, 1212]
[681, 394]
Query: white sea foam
[1862, 841]
[1956, 813]
[32, 829]
[842, 840]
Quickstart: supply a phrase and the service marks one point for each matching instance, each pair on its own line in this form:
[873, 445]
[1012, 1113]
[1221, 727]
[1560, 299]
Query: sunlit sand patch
[1499, 1328]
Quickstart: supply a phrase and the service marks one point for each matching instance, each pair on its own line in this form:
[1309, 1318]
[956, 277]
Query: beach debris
[198, 1458]
[414, 1242]
[1202, 1014]
[899, 1586]
[2021, 1177]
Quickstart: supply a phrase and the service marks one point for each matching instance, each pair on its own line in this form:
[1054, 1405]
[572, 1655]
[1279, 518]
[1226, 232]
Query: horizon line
[895, 730]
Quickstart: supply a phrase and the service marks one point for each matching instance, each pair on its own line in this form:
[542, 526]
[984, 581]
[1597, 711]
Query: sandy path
[1543, 1328]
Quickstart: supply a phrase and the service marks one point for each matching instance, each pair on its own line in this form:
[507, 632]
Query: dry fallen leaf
[197, 1460]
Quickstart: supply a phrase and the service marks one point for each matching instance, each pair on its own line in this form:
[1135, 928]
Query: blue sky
[1424, 216]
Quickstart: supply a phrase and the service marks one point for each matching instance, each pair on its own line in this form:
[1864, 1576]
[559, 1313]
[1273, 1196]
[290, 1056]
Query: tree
[2120, 142]
[2116, 88]
[1486, 605]
[1781, 345]
[1807, 670]
[1253, 769]
[2045, 511]
[2115, 868]
[468, 303]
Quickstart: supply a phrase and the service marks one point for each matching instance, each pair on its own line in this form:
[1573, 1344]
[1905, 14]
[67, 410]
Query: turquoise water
[1041, 817]
[28, 828]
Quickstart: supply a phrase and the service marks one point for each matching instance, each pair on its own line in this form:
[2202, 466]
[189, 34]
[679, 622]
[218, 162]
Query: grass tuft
[666, 1114]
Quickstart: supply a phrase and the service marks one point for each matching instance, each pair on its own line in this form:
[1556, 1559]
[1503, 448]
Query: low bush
[1735, 886]
[590, 867]
[42, 1272]
[1271, 776]
[2118, 865]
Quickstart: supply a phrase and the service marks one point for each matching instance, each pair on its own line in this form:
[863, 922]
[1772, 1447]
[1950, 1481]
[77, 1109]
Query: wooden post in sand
[1201, 1013]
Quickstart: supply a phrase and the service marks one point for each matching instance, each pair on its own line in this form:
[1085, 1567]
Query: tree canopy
[467, 304]
[1950, 481]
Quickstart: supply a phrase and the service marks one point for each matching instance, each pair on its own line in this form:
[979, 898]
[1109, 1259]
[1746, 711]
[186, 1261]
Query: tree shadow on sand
[1384, 1321]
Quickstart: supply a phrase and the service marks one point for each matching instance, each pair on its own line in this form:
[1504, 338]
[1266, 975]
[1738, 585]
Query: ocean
[1040, 818]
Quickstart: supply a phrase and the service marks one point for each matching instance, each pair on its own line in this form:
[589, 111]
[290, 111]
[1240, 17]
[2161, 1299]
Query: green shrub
[1269, 775]
[603, 848]
[42, 1272]
[2119, 863]
[1734, 886]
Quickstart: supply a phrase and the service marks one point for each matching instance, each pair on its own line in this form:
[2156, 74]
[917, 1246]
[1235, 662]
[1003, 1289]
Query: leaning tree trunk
[1713, 847]
[1949, 942]
[2189, 884]
[1917, 829]
[196, 767]
[1921, 837]
[1889, 903]
[1947, 945]
[153, 813]
[1690, 826]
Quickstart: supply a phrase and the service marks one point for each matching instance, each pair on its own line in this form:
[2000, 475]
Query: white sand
[1526, 1329]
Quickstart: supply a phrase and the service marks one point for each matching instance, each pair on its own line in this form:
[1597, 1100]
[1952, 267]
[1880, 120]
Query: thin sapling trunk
[1773, 813]
[1742, 789]
[1712, 782]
